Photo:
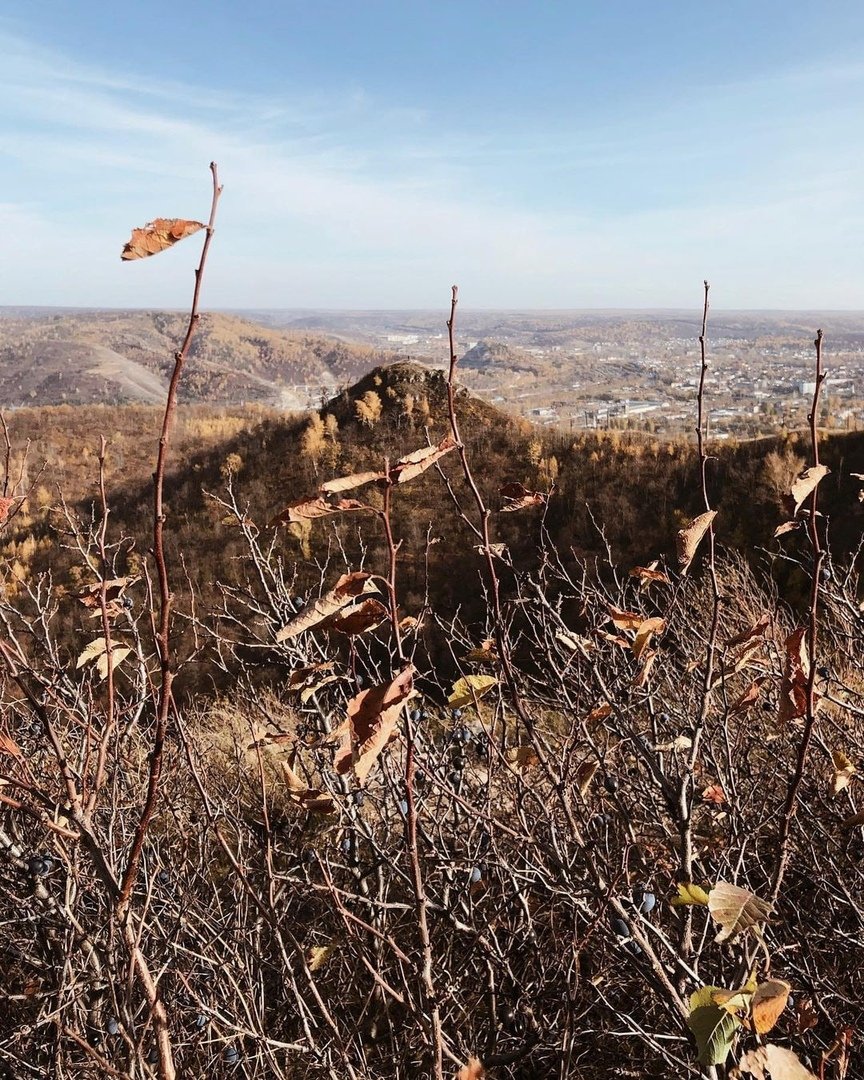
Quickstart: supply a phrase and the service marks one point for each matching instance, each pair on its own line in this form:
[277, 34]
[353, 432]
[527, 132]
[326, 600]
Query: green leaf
[712, 1026]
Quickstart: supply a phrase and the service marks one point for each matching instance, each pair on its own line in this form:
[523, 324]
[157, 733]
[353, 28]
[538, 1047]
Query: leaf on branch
[644, 632]
[735, 910]
[301, 675]
[786, 527]
[118, 655]
[625, 620]
[745, 655]
[750, 696]
[412, 465]
[844, 770]
[348, 483]
[485, 654]
[774, 1062]
[690, 537]
[523, 757]
[518, 497]
[597, 715]
[371, 724]
[6, 505]
[310, 509]
[357, 618]
[796, 674]
[713, 1027]
[311, 799]
[804, 486]
[805, 1015]
[853, 821]
[91, 596]
[471, 1070]
[585, 774]
[647, 575]
[688, 893]
[318, 955]
[346, 589]
[9, 746]
[310, 691]
[158, 235]
[715, 794]
[640, 679]
[469, 688]
[497, 550]
[758, 629]
[768, 1003]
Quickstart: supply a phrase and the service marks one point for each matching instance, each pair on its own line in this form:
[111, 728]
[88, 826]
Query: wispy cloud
[345, 201]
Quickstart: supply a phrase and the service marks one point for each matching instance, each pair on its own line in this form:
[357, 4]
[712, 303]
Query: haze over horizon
[562, 159]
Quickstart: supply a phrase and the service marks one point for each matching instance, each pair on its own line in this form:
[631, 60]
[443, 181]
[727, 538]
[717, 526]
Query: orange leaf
[472, 1070]
[158, 235]
[647, 574]
[796, 672]
[358, 618]
[714, 793]
[645, 631]
[9, 746]
[5, 506]
[626, 620]
[371, 724]
[769, 1001]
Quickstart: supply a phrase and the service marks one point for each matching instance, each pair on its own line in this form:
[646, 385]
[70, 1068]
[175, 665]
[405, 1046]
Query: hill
[119, 357]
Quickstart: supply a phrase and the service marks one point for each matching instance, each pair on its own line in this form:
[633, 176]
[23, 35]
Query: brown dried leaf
[485, 654]
[118, 655]
[158, 235]
[9, 746]
[640, 679]
[346, 589]
[758, 629]
[90, 597]
[371, 724]
[616, 639]
[358, 618]
[625, 620]
[310, 509]
[735, 910]
[715, 794]
[775, 1062]
[348, 483]
[597, 715]
[309, 691]
[300, 675]
[468, 689]
[645, 631]
[750, 696]
[523, 757]
[844, 770]
[853, 821]
[585, 774]
[768, 1003]
[6, 505]
[690, 537]
[519, 498]
[805, 1015]
[472, 1070]
[647, 575]
[796, 673]
[786, 527]
[412, 465]
[311, 799]
[804, 486]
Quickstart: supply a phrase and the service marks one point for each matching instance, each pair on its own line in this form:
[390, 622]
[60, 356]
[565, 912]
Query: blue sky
[557, 154]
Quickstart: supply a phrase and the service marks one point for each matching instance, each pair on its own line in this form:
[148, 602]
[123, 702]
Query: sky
[558, 154]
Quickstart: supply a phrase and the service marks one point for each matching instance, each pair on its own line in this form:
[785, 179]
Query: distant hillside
[125, 357]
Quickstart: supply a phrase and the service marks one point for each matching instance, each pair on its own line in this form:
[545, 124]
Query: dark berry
[416, 716]
[163, 877]
[200, 1022]
[767, 706]
[231, 1055]
[824, 672]
[645, 901]
[610, 783]
[619, 927]
[112, 1026]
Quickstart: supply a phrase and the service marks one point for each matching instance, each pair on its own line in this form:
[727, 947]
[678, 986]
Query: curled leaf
[774, 1062]
[523, 757]
[6, 505]
[412, 465]
[585, 774]
[844, 770]
[371, 724]
[470, 687]
[518, 497]
[690, 537]
[357, 618]
[796, 674]
[804, 486]
[309, 509]
[648, 574]
[348, 483]
[644, 632]
[311, 799]
[768, 1003]
[736, 910]
[346, 589]
[750, 696]
[625, 620]
[158, 235]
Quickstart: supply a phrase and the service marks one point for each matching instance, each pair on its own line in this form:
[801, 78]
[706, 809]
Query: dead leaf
[485, 654]
[647, 575]
[158, 235]
[412, 465]
[745, 655]
[472, 1070]
[300, 675]
[318, 956]
[311, 799]
[9, 746]
[625, 620]
[6, 505]
[750, 696]
[348, 483]
[118, 655]
[574, 641]
[519, 497]
[597, 715]
[640, 679]
[715, 794]
[644, 632]
[758, 629]
[805, 1015]
[371, 724]
[469, 688]
[844, 770]
[688, 893]
[786, 527]
[768, 1003]
[585, 774]
[90, 597]
[357, 618]
[309, 692]
[775, 1062]
[346, 589]
[690, 537]
[853, 821]
[523, 757]
[310, 509]
[804, 486]
[796, 673]
[735, 910]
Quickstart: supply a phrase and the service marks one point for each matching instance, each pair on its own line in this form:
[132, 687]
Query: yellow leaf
[118, 654]
[467, 689]
[318, 955]
[688, 893]
[769, 1001]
